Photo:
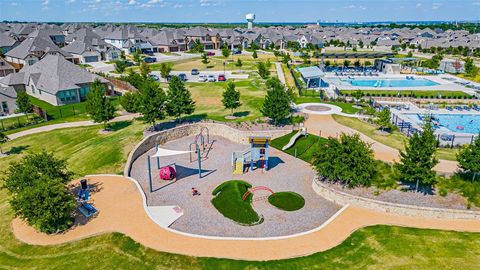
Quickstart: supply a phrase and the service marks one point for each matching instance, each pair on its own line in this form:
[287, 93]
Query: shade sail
[161, 152]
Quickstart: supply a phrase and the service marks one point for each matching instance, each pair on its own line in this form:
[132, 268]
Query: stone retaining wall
[343, 198]
[215, 129]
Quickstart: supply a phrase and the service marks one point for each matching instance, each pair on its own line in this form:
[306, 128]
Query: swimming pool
[454, 122]
[419, 82]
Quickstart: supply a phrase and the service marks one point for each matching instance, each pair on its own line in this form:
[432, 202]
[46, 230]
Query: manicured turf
[410, 93]
[395, 139]
[228, 201]
[377, 247]
[304, 147]
[287, 200]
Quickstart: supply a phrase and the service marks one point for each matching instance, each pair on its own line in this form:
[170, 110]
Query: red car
[221, 78]
[210, 53]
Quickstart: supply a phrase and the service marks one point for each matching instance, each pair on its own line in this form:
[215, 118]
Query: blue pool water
[391, 82]
[454, 122]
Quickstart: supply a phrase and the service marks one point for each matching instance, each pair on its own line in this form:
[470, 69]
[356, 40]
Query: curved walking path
[331, 128]
[121, 209]
[31, 131]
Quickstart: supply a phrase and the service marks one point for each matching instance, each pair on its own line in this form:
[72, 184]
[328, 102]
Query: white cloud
[350, 7]
[207, 3]
[14, 4]
[476, 4]
[70, 1]
[418, 5]
[45, 4]
[436, 5]
[355, 7]
[177, 6]
[132, 2]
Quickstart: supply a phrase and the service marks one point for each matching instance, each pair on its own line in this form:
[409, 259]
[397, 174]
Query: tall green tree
[225, 51]
[179, 99]
[144, 69]
[276, 105]
[263, 70]
[418, 159]
[120, 66]
[98, 106]
[137, 56]
[151, 102]
[3, 139]
[348, 160]
[39, 195]
[231, 97]
[469, 158]
[470, 69]
[129, 102]
[383, 119]
[24, 104]
[254, 55]
[165, 69]
[204, 58]
[286, 58]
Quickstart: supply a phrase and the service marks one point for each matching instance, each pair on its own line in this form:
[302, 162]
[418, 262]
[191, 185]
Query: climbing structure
[254, 157]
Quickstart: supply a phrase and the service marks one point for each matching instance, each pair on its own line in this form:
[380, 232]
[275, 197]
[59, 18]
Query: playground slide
[292, 141]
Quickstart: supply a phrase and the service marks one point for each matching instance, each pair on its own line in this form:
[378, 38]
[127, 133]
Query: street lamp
[224, 63]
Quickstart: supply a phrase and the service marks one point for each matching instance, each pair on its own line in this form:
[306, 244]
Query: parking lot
[195, 78]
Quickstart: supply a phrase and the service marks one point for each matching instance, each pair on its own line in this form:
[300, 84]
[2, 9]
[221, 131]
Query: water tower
[250, 18]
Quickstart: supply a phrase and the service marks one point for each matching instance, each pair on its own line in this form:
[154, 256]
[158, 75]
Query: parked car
[195, 71]
[129, 63]
[210, 53]
[148, 53]
[202, 78]
[221, 78]
[150, 59]
[211, 78]
[153, 76]
[182, 76]
[237, 52]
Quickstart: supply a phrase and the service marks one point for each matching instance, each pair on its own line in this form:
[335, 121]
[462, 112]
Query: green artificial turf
[287, 200]
[228, 201]
[304, 148]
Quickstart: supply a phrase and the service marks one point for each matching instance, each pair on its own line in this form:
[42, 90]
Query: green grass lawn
[304, 147]
[287, 200]
[377, 247]
[410, 93]
[396, 139]
[228, 201]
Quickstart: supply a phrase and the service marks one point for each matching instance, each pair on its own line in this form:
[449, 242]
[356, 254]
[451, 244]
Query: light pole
[224, 67]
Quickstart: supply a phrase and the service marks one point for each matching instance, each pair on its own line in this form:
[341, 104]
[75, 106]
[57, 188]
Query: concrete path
[281, 76]
[326, 126]
[14, 136]
[128, 216]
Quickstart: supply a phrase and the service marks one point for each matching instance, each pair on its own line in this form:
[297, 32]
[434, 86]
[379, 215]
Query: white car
[202, 78]
[211, 78]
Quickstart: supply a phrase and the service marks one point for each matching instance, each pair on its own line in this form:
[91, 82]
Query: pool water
[454, 122]
[391, 82]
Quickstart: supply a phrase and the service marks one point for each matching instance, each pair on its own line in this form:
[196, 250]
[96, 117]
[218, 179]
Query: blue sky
[234, 10]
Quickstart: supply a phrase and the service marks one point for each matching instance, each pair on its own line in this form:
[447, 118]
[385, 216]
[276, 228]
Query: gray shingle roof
[8, 91]
[34, 44]
[6, 40]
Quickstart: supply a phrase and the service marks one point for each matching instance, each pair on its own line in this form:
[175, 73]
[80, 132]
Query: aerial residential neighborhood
[213, 134]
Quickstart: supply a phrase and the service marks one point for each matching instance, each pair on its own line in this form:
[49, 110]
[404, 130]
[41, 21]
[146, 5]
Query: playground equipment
[254, 189]
[168, 173]
[200, 143]
[293, 139]
[84, 207]
[256, 155]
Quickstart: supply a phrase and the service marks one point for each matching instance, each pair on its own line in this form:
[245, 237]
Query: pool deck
[445, 85]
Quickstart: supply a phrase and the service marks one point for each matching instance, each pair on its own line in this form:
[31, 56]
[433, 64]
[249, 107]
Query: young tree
[151, 102]
[231, 97]
[120, 66]
[254, 55]
[348, 159]
[469, 157]
[305, 57]
[286, 58]
[204, 58]
[263, 70]
[144, 69]
[129, 102]
[122, 55]
[98, 106]
[383, 119]
[225, 51]
[3, 139]
[179, 99]
[357, 95]
[470, 69]
[165, 69]
[418, 159]
[136, 56]
[24, 104]
[346, 63]
[276, 105]
[38, 192]
[356, 63]
[238, 63]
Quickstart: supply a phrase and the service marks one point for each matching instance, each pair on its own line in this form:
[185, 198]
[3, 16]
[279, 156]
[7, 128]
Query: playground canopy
[162, 152]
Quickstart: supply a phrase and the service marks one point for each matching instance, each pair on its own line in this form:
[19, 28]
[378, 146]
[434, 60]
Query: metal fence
[445, 139]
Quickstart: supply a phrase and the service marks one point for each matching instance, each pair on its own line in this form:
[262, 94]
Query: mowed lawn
[377, 247]
[395, 139]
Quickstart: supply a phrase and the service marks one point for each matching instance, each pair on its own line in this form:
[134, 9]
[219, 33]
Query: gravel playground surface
[200, 216]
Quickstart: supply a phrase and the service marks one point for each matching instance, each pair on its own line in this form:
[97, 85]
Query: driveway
[101, 67]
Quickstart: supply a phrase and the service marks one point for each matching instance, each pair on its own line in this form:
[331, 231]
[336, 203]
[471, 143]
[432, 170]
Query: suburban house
[5, 68]
[8, 100]
[54, 80]
[7, 43]
[201, 34]
[53, 34]
[128, 40]
[31, 50]
[87, 47]
[168, 41]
